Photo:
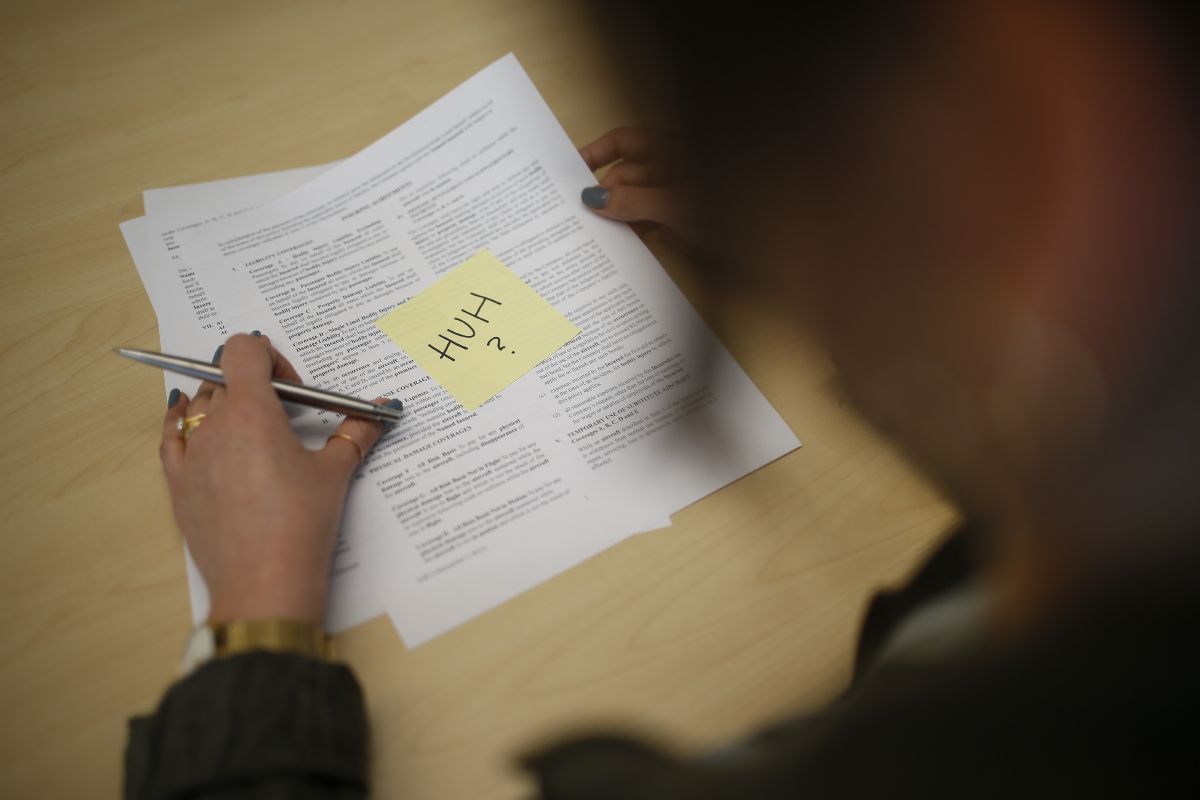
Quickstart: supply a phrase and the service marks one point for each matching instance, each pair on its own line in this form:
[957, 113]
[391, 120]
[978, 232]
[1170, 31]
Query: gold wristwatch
[216, 640]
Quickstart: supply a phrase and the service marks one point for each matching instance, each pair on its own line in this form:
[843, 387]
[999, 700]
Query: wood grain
[743, 611]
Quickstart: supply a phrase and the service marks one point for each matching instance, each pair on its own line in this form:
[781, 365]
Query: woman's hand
[258, 511]
[647, 182]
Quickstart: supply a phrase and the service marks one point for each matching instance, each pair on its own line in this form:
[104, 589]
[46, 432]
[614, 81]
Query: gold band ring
[361, 455]
[186, 425]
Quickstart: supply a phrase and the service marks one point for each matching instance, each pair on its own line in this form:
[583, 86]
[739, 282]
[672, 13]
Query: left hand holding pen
[259, 512]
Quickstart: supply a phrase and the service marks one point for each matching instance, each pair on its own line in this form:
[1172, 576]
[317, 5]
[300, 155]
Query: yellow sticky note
[478, 329]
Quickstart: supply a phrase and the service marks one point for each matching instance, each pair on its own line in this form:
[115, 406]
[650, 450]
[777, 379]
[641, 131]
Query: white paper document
[453, 511]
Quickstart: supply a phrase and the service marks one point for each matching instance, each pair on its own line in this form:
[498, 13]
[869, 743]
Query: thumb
[628, 203]
[347, 447]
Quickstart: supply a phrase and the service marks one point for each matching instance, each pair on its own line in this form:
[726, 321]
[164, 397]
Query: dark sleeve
[257, 725]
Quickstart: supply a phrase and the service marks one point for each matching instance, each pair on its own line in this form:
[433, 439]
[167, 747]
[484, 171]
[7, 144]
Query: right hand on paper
[647, 181]
[259, 512]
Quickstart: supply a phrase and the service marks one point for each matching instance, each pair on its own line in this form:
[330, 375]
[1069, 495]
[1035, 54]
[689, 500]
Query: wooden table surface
[744, 610]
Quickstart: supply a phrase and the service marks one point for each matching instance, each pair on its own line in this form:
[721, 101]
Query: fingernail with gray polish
[394, 404]
[595, 197]
[172, 398]
[217, 355]
[256, 333]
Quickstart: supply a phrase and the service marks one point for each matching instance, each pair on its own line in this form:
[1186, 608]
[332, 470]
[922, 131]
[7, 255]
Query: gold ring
[187, 425]
[361, 455]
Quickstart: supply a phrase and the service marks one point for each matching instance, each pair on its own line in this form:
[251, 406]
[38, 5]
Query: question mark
[499, 346]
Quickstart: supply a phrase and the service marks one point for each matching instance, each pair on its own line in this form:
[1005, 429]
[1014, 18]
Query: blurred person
[986, 211]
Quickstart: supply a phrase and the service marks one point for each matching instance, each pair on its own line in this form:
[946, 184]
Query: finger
[202, 400]
[171, 449]
[206, 389]
[638, 204]
[632, 173]
[213, 402]
[204, 393]
[668, 155]
[636, 144]
[341, 455]
[248, 364]
[281, 367]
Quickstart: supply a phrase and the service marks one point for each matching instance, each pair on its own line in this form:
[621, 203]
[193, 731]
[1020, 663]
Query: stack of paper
[459, 508]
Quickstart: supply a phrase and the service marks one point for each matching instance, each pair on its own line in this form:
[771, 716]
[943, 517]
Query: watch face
[201, 646]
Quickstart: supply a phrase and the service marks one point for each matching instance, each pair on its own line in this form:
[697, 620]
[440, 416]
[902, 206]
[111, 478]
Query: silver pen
[287, 390]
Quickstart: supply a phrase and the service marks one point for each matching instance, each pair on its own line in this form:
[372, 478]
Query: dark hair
[787, 80]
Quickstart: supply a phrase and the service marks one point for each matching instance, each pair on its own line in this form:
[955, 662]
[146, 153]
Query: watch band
[214, 640]
[277, 635]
